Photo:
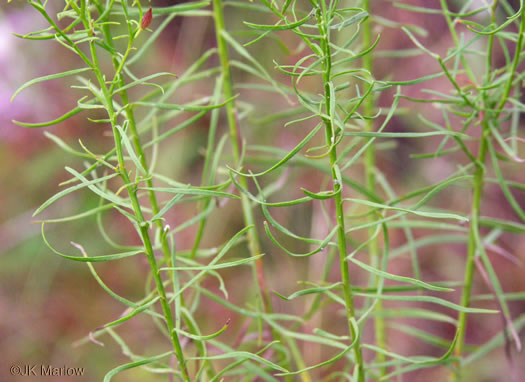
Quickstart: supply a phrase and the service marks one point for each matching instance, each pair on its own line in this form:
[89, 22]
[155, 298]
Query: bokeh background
[48, 304]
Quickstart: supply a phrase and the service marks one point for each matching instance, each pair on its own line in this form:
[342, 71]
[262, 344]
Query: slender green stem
[143, 225]
[478, 181]
[133, 130]
[323, 18]
[149, 184]
[472, 246]
[370, 160]
[253, 238]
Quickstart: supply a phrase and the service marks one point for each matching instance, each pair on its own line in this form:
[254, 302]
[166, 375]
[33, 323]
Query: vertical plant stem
[472, 246]
[323, 21]
[370, 160]
[479, 175]
[166, 251]
[142, 224]
[134, 133]
[253, 238]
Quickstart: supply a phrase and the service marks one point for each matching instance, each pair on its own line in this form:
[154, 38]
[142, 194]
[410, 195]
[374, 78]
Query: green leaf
[243, 355]
[405, 135]
[129, 148]
[431, 299]
[174, 9]
[62, 118]
[322, 244]
[143, 81]
[191, 191]
[214, 266]
[221, 254]
[169, 106]
[390, 276]
[48, 77]
[78, 216]
[436, 215]
[134, 312]
[330, 361]
[289, 156]
[102, 193]
[71, 189]
[131, 365]
[94, 259]
[350, 21]
[305, 292]
[204, 338]
[280, 27]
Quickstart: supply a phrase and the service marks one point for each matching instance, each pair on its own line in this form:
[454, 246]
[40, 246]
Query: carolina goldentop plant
[325, 85]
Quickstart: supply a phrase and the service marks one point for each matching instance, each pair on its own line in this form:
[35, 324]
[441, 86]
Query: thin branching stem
[137, 145]
[488, 116]
[323, 18]
[137, 209]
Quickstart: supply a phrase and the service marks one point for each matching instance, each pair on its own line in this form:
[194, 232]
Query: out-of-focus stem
[253, 238]
[478, 180]
[370, 160]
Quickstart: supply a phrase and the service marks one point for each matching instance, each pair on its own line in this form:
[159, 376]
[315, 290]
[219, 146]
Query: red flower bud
[146, 19]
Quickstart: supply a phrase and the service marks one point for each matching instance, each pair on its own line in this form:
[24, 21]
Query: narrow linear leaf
[399, 278]
[280, 27]
[131, 365]
[69, 190]
[290, 155]
[204, 338]
[47, 78]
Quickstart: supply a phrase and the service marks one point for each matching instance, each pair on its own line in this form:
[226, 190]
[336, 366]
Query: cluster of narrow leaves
[332, 91]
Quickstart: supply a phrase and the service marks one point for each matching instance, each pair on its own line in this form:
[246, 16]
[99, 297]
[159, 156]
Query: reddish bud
[146, 19]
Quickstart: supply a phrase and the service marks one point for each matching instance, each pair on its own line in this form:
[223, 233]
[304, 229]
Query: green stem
[370, 160]
[472, 246]
[478, 182]
[322, 19]
[253, 238]
[143, 225]
[149, 184]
